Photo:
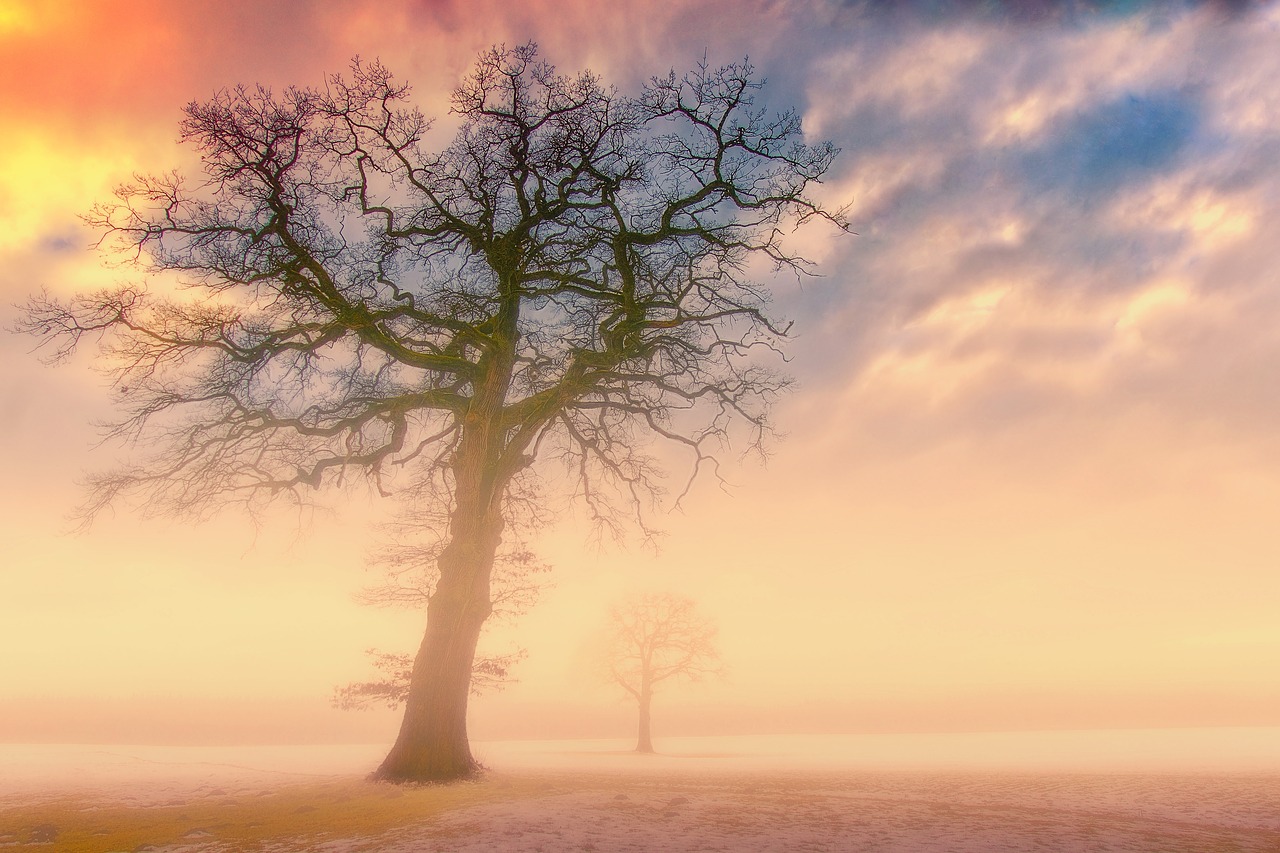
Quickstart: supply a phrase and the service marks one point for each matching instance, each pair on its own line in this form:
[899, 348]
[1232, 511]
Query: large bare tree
[572, 271]
[653, 639]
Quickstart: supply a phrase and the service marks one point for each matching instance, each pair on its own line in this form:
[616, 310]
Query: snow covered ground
[1161, 790]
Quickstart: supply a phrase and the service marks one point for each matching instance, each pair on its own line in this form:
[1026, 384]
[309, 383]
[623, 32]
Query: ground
[618, 802]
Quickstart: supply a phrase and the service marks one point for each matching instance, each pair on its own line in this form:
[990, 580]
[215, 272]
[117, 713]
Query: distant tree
[572, 273]
[655, 639]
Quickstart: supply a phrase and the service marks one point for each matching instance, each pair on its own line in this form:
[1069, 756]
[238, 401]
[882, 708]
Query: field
[584, 797]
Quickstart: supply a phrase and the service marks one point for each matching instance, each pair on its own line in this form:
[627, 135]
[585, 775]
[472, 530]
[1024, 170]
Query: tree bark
[432, 745]
[644, 740]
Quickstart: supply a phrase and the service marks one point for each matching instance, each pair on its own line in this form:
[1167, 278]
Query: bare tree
[653, 639]
[570, 274]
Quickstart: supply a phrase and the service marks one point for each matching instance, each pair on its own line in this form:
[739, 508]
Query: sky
[1029, 478]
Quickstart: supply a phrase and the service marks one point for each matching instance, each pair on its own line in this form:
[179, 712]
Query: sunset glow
[1029, 479]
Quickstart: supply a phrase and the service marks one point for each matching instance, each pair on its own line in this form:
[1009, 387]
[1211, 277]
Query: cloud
[1079, 167]
[1049, 354]
[1061, 237]
[1037, 12]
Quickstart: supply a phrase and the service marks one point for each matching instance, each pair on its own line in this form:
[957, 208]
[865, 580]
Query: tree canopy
[572, 264]
[574, 272]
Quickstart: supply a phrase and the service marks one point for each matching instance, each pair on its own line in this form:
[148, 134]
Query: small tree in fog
[654, 639]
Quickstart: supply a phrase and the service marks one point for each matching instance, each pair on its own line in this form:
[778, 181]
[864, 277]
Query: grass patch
[247, 819]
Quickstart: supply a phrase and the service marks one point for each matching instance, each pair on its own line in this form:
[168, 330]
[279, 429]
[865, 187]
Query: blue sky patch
[1115, 143]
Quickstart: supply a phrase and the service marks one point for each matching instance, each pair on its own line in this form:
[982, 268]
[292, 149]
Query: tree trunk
[432, 745]
[644, 742]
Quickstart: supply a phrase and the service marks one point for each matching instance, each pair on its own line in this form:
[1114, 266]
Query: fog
[1025, 482]
[1020, 522]
[159, 771]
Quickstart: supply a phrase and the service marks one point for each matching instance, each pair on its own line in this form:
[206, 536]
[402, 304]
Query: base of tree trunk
[401, 771]
[441, 778]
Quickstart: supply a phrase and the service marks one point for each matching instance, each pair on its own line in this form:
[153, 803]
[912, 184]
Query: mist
[1007, 550]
